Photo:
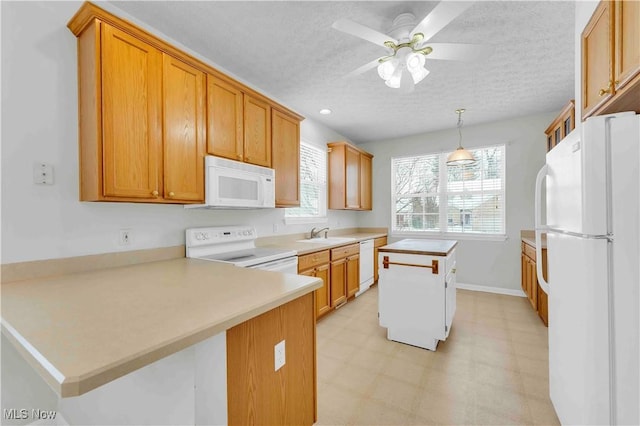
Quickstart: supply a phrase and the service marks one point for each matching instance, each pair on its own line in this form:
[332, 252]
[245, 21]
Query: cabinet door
[543, 310]
[365, 182]
[378, 242]
[533, 285]
[597, 45]
[323, 294]
[523, 272]
[353, 275]
[352, 172]
[337, 282]
[184, 128]
[224, 119]
[627, 41]
[285, 158]
[131, 116]
[257, 132]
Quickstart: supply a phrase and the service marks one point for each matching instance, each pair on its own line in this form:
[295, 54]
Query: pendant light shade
[460, 157]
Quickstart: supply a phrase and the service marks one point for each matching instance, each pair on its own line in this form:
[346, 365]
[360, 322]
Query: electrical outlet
[279, 357]
[125, 237]
[42, 174]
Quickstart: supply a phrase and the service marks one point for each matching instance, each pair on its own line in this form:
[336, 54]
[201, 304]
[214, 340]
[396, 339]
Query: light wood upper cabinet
[349, 177]
[626, 41]
[183, 130]
[611, 59]
[285, 158]
[148, 114]
[131, 137]
[365, 182]
[257, 131]
[225, 137]
[561, 126]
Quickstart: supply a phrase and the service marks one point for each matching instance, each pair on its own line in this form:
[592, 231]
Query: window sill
[305, 220]
[448, 236]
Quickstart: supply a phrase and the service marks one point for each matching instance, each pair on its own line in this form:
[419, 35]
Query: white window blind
[431, 197]
[313, 184]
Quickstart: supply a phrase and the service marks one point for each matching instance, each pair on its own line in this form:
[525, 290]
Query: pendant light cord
[460, 123]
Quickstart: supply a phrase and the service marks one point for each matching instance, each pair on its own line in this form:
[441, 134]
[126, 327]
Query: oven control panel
[219, 235]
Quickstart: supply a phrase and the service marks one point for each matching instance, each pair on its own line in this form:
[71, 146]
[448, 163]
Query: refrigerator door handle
[539, 228]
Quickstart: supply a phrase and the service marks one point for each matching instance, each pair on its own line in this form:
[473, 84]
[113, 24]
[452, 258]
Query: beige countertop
[83, 330]
[306, 248]
[529, 237]
[420, 246]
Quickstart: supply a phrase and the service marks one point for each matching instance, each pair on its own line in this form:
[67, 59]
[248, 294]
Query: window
[431, 198]
[313, 187]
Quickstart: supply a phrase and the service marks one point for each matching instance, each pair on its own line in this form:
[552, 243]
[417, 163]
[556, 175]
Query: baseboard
[487, 289]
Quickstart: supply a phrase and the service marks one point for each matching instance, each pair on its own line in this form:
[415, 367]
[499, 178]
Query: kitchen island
[417, 295]
[168, 342]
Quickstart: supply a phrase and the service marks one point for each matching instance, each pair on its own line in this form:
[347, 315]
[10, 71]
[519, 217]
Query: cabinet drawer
[314, 259]
[340, 252]
[529, 251]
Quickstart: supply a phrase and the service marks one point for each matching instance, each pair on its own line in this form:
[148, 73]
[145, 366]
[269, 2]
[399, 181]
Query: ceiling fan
[408, 45]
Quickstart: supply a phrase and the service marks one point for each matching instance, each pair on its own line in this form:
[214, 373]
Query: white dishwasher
[417, 291]
[366, 266]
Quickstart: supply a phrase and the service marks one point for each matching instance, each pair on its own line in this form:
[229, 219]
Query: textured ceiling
[288, 50]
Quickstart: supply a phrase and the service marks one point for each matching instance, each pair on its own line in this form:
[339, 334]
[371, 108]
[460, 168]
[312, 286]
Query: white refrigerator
[591, 181]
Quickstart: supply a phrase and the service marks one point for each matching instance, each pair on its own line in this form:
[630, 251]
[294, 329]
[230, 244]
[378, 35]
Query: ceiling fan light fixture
[415, 61]
[387, 68]
[419, 75]
[460, 157]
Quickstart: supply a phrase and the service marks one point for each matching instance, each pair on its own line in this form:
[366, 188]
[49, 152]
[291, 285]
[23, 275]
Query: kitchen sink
[330, 240]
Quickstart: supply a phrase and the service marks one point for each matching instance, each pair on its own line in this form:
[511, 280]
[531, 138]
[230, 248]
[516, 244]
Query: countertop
[420, 246]
[306, 248]
[529, 237]
[83, 330]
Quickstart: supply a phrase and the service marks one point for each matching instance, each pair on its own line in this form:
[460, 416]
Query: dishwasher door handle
[433, 266]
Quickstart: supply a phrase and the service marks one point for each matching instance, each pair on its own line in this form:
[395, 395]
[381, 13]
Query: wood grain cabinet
[258, 395]
[149, 113]
[611, 59]
[285, 157]
[378, 242]
[561, 126]
[537, 297]
[142, 131]
[345, 273]
[317, 265]
[350, 177]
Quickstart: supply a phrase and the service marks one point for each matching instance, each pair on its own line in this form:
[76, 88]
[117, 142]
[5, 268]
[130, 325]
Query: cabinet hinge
[446, 328]
[446, 284]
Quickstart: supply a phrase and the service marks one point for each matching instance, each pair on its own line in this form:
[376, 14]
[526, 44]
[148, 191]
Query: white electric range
[236, 245]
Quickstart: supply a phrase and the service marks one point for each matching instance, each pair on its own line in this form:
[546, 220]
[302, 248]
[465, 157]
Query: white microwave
[234, 185]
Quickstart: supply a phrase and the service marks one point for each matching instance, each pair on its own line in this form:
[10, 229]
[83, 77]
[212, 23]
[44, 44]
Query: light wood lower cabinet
[345, 273]
[537, 297]
[378, 242]
[256, 393]
[317, 265]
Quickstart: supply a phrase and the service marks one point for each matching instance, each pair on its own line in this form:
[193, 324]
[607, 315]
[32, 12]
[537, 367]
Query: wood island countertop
[83, 330]
[420, 246]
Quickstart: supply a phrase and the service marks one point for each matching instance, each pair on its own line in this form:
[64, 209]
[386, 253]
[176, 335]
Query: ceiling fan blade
[440, 17]
[363, 32]
[366, 67]
[458, 52]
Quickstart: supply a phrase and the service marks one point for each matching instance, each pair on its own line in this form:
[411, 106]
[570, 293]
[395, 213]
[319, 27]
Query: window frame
[323, 189]
[443, 194]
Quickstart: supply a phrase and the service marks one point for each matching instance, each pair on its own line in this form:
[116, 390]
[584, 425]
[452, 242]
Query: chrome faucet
[315, 233]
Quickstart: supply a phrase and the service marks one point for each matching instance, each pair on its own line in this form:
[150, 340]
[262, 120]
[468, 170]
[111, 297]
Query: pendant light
[460, 157]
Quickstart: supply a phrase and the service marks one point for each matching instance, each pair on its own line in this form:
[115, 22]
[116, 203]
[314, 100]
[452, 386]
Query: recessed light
[325, 111]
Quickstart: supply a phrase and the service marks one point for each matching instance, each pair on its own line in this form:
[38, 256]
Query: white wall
[39, 123]
[487, 263]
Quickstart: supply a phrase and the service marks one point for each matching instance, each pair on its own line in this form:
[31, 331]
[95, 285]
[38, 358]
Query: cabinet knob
[155, 193]
[171, 194]
[239, 156]
[453, 270]
[606, 90]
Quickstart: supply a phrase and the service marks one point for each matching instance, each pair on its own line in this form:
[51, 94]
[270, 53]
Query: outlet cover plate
[279, 356]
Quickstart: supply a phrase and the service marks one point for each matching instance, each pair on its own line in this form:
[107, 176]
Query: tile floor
[493, 368]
